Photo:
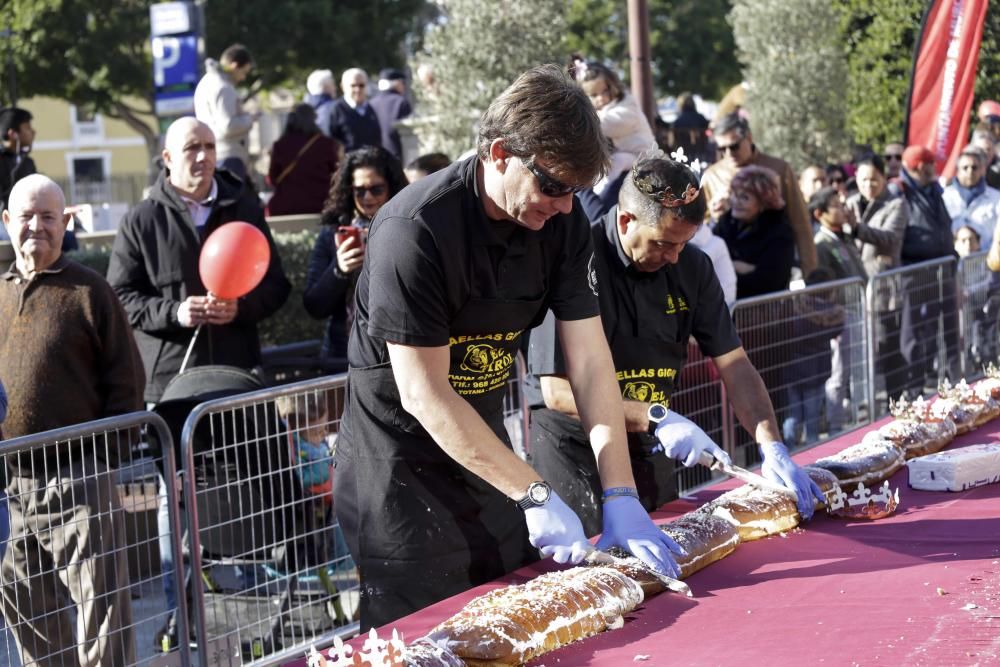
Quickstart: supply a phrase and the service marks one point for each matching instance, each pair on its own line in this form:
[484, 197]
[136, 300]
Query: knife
[745, 476]
[596, 557]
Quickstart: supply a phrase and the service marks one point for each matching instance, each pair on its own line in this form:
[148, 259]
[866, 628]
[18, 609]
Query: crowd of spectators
[340, 157]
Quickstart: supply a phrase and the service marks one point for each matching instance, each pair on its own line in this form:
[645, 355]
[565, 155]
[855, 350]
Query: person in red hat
[928, 236]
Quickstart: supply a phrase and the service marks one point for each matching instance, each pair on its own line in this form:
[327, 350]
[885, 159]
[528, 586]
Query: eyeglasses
[731, 148]
[549, 186]
[893, 156]
[373, 190]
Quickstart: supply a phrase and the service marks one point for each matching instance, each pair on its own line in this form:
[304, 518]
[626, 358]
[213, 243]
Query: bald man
[154, 263]
[154, 270]
[67, 356]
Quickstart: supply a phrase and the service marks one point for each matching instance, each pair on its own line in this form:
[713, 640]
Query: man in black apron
[431, 497]
[655, 293]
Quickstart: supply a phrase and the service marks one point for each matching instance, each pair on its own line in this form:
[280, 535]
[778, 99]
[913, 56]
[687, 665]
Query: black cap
[390, 74]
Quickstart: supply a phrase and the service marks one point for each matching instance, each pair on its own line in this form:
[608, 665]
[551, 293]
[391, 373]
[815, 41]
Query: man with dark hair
[218, 104]
[656, 291]
[391, 105]
[837, 253]
[983, 139]
[734, 142]
[431, 498]
[68, 357]
[16, 137]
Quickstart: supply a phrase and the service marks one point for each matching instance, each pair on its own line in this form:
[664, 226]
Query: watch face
[539, 493]
[657, 412]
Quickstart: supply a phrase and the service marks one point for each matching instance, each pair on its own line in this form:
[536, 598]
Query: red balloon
[234, 260]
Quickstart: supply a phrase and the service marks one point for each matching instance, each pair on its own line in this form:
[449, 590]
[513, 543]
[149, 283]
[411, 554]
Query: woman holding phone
[366, 179]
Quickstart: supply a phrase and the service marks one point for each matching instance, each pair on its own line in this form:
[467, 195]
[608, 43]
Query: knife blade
[596, 557]
[748, 477]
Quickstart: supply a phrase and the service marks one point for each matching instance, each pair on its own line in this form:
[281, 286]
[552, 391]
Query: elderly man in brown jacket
[734, 142]
[67, 356]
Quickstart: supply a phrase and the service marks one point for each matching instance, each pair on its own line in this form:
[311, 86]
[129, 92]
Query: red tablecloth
[891, 592]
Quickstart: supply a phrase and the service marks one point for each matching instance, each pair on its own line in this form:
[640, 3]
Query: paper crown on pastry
[862, 503]
[375, 651]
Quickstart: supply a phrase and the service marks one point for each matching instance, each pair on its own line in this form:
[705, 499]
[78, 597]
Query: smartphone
[345, 232]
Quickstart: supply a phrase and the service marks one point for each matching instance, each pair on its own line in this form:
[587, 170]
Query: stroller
[257, 531]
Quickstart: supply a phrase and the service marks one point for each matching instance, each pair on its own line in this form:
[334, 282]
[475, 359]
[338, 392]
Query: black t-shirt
[431, 248]
[672, 304]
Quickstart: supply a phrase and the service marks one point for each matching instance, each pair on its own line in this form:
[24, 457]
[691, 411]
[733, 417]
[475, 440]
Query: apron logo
[592, 275]
[484, 358]
[673, 307]
[639, 391]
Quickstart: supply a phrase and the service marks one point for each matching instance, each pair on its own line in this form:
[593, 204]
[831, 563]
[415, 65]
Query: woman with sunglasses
[367, 179]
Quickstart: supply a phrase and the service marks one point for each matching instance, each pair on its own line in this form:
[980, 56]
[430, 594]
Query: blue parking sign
[175, 73]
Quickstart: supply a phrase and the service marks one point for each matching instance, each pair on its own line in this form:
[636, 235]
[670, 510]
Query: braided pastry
[512, 625]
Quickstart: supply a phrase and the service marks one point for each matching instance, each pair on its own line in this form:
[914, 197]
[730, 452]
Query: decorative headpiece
[665, 196]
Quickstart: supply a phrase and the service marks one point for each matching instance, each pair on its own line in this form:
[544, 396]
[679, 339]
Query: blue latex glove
[779, 467]
[682, 439]
[627, 525]
[555, 530]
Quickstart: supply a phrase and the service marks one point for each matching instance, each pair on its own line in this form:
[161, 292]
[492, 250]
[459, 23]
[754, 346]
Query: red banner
[944, 79]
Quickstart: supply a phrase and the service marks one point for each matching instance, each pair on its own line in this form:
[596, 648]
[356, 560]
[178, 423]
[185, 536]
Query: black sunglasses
[892, 156]
[549, 186]
[374, 190]
[836, 180]
[730, 148]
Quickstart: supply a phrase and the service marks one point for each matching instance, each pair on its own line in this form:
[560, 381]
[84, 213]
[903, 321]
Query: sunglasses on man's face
[893, 156]
[549, 186]
[730, 148]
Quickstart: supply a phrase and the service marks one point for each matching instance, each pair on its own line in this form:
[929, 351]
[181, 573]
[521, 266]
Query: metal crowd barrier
[809, 346]
[81, 580]
[915, 334]
[273, 575]
[979, 299]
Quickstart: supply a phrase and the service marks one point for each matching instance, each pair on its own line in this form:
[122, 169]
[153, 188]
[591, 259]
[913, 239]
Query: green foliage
[291, 38]
[691, 44]
[476, 52]
[96, 258]
[988, 76]
[291, 324]
[92, 54]
[797, 75]
[879, 37]
[96, 53]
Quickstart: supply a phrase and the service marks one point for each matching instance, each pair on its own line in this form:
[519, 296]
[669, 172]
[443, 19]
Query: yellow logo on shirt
[644, 392]
[483, 358]
[674, 306]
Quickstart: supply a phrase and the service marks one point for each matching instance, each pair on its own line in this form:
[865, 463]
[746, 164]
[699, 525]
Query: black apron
[647, 370]
[420, 526]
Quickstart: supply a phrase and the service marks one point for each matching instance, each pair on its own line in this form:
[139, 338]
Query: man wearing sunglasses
[734, 143]
[893, 156]
[430, 495]
[656, 294]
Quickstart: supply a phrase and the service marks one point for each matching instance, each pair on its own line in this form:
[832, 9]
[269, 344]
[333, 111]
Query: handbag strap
[287, 170]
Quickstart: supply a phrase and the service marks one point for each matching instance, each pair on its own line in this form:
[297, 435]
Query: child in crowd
[816, 320]
[312, 447]
[622, 121]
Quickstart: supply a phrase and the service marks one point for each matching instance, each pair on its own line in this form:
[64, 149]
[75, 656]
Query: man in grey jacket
[218, 105]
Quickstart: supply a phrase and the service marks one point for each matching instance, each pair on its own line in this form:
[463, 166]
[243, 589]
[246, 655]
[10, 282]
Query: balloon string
[187, 355]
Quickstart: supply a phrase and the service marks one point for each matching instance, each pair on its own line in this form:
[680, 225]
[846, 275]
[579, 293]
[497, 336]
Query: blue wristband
[616, 491]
